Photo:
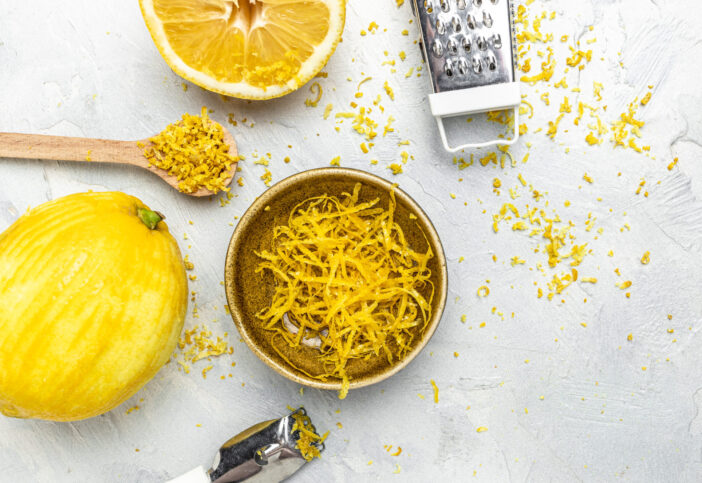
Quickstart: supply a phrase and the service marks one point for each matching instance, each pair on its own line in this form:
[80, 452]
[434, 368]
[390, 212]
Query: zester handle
[197, 475]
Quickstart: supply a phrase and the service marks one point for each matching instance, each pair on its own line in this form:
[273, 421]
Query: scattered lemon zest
[193, 151]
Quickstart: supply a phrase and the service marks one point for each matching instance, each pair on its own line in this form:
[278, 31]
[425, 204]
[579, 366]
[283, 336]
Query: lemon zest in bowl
[347, 278]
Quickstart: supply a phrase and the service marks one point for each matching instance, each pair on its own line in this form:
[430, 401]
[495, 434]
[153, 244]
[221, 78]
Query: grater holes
[437, 49]
[456, 23]
[467, 45]
[466, 42]
[452, 46]
[448, 68]
[491, 62]
[496, 41]
[481, 42]
[477, 65]
[487, 19]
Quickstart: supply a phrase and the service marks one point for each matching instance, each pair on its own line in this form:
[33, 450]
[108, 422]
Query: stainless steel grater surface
[470, 51]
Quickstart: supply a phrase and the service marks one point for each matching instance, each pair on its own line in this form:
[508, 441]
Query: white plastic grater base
[472, 101]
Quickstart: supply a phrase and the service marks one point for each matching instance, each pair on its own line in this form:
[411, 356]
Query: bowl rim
[352, 174]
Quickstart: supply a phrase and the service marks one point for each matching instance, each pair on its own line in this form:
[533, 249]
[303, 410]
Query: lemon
[251, 49]
[93, 295]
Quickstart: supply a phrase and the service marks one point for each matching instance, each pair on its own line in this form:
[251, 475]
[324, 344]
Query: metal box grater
[470, 50]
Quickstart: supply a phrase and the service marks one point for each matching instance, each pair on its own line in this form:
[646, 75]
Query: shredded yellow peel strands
[308, 437]
[193, 150]
[347, 278]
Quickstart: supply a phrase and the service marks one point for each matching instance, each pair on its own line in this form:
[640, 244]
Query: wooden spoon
[60, 148]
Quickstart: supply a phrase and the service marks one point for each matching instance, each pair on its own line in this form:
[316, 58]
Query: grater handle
[494, 142]
[472, 101]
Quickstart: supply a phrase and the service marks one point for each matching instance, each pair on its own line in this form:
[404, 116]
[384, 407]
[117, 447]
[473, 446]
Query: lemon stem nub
[150, 218]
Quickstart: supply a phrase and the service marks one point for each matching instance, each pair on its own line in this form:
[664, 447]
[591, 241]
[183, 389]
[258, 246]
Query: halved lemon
[251, 49]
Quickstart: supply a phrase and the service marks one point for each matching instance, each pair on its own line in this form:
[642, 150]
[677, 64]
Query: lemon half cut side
[250, 49]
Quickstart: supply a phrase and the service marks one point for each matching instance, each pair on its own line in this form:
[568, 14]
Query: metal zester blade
[469, 47]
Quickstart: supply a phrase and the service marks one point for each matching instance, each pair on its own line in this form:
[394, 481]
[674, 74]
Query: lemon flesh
[252, 49]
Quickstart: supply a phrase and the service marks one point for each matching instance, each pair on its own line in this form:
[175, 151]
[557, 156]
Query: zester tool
[266, 452]
[469, 47]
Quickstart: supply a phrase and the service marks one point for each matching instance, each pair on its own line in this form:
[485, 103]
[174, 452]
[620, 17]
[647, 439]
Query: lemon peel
[347, 277]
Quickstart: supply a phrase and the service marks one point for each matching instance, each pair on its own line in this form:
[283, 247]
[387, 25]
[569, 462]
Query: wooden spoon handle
[60, 148]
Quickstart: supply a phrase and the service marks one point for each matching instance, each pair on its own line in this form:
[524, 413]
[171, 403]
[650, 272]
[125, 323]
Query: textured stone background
[85, 68]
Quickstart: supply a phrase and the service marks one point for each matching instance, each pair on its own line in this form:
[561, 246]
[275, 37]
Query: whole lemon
[93, 296]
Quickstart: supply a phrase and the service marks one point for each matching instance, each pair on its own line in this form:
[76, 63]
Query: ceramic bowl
[249, 292]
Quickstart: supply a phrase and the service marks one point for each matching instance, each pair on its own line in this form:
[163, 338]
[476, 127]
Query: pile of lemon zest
[198, 343]
[436, 391]
[547, 68]
[388, 127]
[267, 177]
[335, 161]
[389, 91]
[597, 90]
[561, 83]
[205, 370]
[565, 106]
[313, 102]
[346, 276]
[328, 110]
[553, 126]
[396, 168]
[193, 150]
[490, 157]
[358, 87]
[530, 111]
[592, 140]
[483, 291]
[308, 440]
[626, 124]
[578, 56]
